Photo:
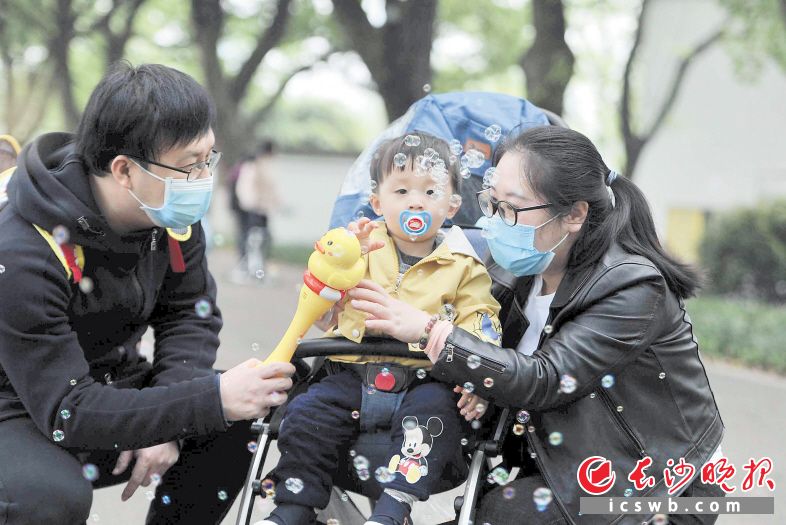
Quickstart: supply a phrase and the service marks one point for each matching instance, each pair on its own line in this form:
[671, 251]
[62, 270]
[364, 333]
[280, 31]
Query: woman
[599, 356]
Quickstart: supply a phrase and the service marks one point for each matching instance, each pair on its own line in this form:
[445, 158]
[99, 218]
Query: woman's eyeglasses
[507, 212]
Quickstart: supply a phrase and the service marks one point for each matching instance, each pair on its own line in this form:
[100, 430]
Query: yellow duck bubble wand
[335, 266]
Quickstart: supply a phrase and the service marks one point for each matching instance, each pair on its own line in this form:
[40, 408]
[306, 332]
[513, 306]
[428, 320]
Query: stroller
[475, 121]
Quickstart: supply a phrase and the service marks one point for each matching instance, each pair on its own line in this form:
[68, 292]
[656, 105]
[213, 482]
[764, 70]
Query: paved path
[751, 403]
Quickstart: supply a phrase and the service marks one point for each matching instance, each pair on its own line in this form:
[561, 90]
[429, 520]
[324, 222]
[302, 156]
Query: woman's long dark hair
[564, 167]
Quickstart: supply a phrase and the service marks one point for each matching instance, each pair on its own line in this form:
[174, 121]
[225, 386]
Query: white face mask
[185, 203]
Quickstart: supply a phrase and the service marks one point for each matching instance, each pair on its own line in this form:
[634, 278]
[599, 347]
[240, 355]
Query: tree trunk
[398, 55]
[58, 50]
[548, 64]
[635, 141]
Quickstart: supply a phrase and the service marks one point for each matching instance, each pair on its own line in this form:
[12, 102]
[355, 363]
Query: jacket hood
[51, 188]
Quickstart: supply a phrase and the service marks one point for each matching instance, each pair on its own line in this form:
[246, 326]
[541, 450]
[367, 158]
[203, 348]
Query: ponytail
[564, 167]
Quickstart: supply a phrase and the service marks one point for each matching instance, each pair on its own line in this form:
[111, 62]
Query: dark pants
[41, 482]
[520, 508]
[319, 424]
[248, 220]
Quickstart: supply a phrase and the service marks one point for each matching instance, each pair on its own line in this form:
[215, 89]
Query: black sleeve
[45, 365]
[186, 320]
[608, 333]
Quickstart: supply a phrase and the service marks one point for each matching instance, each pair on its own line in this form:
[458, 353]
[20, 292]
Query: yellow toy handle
[310, 308]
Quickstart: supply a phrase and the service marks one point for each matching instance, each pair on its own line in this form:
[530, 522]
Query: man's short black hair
[144, 111]
[383, 161]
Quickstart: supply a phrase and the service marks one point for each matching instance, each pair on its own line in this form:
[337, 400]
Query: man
[100, 238]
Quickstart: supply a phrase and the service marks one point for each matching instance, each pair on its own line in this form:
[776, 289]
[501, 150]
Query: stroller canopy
[478, 121]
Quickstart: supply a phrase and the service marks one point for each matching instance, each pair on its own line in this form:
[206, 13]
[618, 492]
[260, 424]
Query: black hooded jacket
[65, 353]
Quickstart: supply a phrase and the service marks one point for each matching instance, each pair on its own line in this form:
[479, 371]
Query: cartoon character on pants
[418, 441]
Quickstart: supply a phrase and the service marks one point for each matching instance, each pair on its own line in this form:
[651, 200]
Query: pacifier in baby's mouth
[414, 223]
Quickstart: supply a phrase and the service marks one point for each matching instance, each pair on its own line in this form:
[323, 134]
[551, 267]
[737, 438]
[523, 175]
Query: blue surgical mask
[185, 203]
[513, 247]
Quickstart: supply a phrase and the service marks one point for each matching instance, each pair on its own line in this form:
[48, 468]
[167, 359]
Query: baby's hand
[362, 229]
[470, 406]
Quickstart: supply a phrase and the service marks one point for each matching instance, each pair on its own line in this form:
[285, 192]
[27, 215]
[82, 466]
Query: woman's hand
[362, 230]
[388, 315]
[470, 406]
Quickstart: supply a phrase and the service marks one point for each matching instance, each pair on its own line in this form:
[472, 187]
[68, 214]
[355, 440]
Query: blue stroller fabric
[451, 116]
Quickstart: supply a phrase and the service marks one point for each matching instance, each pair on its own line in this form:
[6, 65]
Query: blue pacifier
[414, 223]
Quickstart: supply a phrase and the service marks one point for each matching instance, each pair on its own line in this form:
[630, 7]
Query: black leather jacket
[617, 317]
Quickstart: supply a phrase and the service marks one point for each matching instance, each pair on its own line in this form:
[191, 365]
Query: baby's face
[409, 190]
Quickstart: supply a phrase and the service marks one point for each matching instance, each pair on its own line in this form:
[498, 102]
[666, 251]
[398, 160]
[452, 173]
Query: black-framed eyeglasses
[507, 212]
[192, 171]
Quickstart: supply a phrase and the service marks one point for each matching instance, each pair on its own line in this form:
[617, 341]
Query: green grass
[746, 332]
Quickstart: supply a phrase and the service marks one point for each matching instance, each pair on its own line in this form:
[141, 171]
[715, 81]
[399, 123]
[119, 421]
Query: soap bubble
[65, 414]
[86, 285]
[421, 373]
[294, 485]
[447, 312]
[518, 429]
[412, 140]
[555, 438]
[426, 88]
[490, 178]
[522, 416]
[255, 347]
[475, 158]
[400, 160]
[473, 361]
[465, 173]
[166, 500]
[203, 308]
[488, 382]
[360, 463]
[493, 133]
[607, 381]
[469, 387]
[456, 147]
[58, 435]
[383, 475]
[252, 446]
[542, 497]
[508, 493]
[499, 476]
[222, 495]
[155, 479]
[355, 414]
[567, 384]
[90, 472]
[60, 234]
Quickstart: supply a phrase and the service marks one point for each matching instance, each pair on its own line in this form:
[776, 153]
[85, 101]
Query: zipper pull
[153, 242]
[449, 348]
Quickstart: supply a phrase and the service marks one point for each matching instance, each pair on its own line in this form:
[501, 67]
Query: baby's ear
[373, 200]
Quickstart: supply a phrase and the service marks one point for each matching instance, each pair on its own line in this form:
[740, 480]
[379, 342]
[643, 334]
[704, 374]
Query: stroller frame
[266, 428]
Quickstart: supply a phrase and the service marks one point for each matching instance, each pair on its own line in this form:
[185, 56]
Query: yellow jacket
[451, 275]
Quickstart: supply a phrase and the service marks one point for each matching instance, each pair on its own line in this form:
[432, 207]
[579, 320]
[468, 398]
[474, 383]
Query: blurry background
[686, 97]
